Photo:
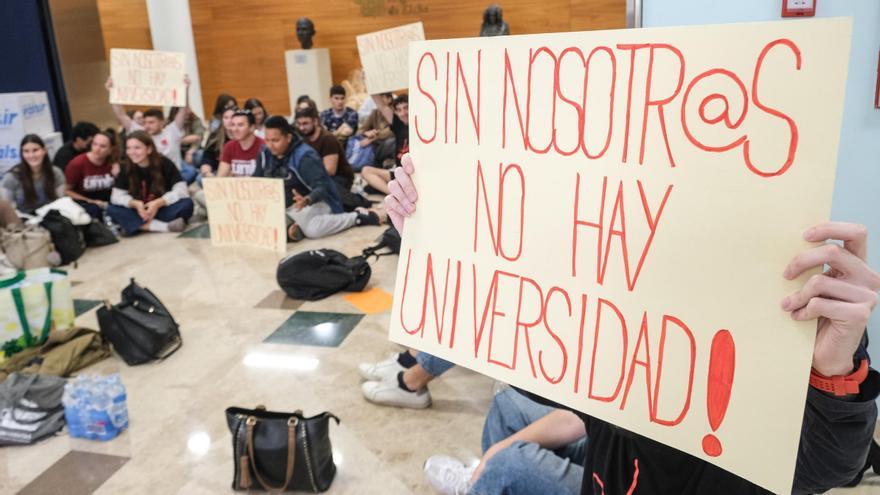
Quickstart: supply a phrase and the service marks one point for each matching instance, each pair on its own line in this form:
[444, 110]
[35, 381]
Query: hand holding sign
[842, 298]
[401, 203]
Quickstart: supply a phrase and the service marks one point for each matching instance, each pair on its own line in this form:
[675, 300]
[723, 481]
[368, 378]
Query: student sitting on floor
[239, 157]
[527, 448]
[311, 198]
[339, 120]
[217, 139]
[149, 195]
[402, 379]
[90, 176]
[260, 115]
[398, 115]
[327, 146]
[79, 143]
[34, 182]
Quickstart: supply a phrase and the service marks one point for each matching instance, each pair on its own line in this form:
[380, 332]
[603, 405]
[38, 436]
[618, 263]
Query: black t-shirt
[144, 192]
[65, 154]
[620, 462]
[401, 135]
[326, 144]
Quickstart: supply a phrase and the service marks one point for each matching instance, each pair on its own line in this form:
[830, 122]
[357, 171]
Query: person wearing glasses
[239, 156]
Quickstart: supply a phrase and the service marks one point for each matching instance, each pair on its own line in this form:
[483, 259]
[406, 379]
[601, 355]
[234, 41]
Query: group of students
[148, 176]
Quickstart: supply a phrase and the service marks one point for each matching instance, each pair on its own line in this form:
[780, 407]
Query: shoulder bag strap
[291, 452]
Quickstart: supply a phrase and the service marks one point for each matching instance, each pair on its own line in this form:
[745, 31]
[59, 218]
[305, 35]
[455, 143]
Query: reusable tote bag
[31, 304]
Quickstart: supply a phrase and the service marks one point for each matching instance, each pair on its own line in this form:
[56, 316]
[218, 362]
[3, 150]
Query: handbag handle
[291, 452]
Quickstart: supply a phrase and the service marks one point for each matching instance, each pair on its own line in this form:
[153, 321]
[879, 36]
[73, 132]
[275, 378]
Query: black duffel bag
[278, 451]
[313, 275]
[139, 328]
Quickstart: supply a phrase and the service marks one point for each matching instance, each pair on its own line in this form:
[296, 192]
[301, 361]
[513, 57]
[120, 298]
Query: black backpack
[68, 239]
[314, 275]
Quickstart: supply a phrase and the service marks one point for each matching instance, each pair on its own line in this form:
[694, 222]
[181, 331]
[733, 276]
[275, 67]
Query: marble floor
[227, 304]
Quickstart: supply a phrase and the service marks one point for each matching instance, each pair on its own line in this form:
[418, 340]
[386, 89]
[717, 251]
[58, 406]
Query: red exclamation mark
[722, 362]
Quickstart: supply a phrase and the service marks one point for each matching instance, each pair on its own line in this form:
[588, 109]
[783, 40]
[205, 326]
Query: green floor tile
[202, 231]
[82, 306]
[315, 329]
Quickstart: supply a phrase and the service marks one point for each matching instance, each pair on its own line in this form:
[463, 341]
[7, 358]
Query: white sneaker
[383, 370]
[388, 393]
[448, 475]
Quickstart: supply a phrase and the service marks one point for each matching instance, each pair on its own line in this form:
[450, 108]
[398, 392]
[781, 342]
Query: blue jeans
[93, 210]
[188, 173]
[130, 222]
[525, 467]
[432, 364]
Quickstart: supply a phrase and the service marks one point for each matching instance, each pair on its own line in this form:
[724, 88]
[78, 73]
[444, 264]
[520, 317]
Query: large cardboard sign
[246, 211]
[147, 77]
[384, 57]
[604, 219]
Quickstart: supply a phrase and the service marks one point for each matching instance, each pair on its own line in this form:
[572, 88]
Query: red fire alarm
[798, 8]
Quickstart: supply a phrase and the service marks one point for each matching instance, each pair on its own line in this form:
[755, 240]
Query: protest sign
[384, 56]
[147, 77]
[246, 211]
[625, 203]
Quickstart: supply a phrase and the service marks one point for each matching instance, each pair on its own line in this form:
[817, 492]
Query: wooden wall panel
[240, 44]
[125, 24]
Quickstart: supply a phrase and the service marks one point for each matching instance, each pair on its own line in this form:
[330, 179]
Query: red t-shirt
[89, 179]
[243, 161]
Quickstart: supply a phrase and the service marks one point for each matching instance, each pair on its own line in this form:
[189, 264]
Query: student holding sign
[150, 195]
[239, 157]
[167, 138]
[313, 204]
[838, 420]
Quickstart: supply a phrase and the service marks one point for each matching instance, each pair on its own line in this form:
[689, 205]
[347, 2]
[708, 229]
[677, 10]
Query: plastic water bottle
[95, 407]
[111, 225]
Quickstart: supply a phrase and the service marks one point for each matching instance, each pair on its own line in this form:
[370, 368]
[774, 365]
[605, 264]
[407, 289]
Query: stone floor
[227, 303]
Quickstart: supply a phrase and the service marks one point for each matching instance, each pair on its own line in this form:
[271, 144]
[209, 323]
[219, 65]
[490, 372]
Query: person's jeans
[92, 209]
[130, 222]
[188, 173]
[526, 467]
[432, 364]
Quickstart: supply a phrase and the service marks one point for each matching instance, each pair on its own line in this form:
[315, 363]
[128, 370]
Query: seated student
[378, 178]
[81, 139]
[224, 102]
[339, 120]
[34, 182]
[90, 176]
[191, 144]
[402, 379]
[312, 202]
[837, 429]
[239, 156]
[327, 146]
[527, 448]
[375, 133]
[260, 115]
[168, 137]
[217, 139]
[149, 194]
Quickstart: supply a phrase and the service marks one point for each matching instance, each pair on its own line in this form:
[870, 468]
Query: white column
[171, 30]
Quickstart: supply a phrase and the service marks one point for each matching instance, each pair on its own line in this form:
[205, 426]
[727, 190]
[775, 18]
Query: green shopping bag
[32, 303]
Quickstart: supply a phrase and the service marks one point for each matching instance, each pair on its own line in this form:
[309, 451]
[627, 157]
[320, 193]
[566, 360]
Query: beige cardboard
[246, 211]
[384, 57]
[147, 77]
[719, 247]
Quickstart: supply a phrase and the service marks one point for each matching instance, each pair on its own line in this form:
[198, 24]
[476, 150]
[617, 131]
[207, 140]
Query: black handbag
[139, 328]
[68, 240]
[277, 452]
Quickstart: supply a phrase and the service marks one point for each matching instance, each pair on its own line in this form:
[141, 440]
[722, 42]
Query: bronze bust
[305, 30]
[493, 24]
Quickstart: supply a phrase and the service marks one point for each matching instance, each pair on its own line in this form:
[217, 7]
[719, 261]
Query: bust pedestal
[308, 73]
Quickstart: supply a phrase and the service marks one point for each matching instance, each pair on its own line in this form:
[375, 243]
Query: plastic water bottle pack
[95, 407]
